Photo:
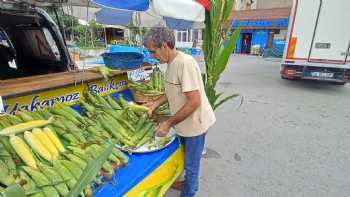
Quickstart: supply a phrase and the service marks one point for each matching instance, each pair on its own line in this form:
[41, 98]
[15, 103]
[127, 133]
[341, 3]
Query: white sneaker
[204, 152]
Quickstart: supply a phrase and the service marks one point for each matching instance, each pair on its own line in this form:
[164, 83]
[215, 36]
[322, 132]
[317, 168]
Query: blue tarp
[114, 17]
[137, 5]
[178, 24]
[120, 48]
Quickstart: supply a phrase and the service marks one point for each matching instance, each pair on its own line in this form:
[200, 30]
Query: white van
[318, 41]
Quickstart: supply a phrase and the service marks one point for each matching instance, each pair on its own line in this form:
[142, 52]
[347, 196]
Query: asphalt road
[288, 139]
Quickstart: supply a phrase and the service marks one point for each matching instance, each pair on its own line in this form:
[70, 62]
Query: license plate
[322, 74]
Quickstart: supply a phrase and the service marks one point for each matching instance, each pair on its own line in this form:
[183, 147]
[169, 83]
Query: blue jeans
[193, 153]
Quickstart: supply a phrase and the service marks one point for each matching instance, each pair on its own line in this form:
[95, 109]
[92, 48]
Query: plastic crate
[123, 60]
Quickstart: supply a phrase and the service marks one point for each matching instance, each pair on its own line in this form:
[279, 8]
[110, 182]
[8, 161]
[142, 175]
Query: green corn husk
[6, 177]
[76, 160]
[65, 174]
[56, 180]
[14, 190]
[90, 172]
[73, 168]
[50, 191]
[39, 178]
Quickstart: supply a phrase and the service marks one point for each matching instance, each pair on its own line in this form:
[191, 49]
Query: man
[189, 105]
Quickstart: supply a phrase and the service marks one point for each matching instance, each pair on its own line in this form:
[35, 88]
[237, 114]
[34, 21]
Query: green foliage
[216, 55]
[85, 36]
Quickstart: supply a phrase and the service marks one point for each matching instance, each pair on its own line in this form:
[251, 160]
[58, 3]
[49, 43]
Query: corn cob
[118, 127]
[29, 185]
[88, 191]
[38, 115]
[13, 119]
[93, 151]
[120, 155]
[114, 159]
[103, 101]
[73, 168]
[45, 113]
[93, 131]
[39, 134]
[55, 179]
[89, 109]
[54, 139]
[23, 151]
[138, 108]
[7, 159]
[124, 103]
[65, 114]
[73, 129]
[140, 123]
[39, 178]
[39, 194]
[70, 137]
[77, 160]
[113, 103]
[50, 191]
[146, 128]
[127, 124]
[25, 126]
[37, 146]
[4, 122]
[5, 141]
[86, 157]
[24, 116]
[106, 124]
[65, 174]
[107, 167]
[143, 141]
[71, 111]
[5, 177]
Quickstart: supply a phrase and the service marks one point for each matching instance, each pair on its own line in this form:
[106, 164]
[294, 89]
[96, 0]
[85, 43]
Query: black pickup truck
[30, 41]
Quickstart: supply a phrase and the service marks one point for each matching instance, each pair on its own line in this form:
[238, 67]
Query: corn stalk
[216, 55]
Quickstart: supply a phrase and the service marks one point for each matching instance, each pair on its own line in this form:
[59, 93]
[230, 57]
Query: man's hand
[163, 129]
[152, 105]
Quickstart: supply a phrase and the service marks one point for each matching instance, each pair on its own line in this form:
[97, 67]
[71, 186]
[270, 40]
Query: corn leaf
[227, 10]
[225, 100]
[225, 55]
[216, 55]
[13, 190]
[90, 172]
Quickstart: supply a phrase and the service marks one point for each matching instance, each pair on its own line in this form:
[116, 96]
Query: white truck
[318, 41]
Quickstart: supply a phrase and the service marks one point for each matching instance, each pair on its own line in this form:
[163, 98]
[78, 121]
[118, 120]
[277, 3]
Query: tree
[216, 51]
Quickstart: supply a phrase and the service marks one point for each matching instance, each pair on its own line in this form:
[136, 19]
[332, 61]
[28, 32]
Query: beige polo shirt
[183, 75]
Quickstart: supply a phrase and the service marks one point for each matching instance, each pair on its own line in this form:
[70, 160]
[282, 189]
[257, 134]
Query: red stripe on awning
[205, 3]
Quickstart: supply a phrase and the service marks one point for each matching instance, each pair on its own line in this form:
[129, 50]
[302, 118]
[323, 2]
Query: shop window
[183, 36]
[178, 36]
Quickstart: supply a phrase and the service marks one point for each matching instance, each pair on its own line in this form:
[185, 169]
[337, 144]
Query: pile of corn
[155, 86]
[127, 123]
[47, 150]
[32, 154]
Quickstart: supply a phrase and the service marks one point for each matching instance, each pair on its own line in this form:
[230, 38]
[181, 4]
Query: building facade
[263, 24]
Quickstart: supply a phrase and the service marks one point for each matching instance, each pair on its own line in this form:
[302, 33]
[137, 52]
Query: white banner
[137, 75]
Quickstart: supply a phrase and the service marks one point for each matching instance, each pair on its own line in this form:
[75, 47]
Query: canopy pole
[87, 21]
[106, 42]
